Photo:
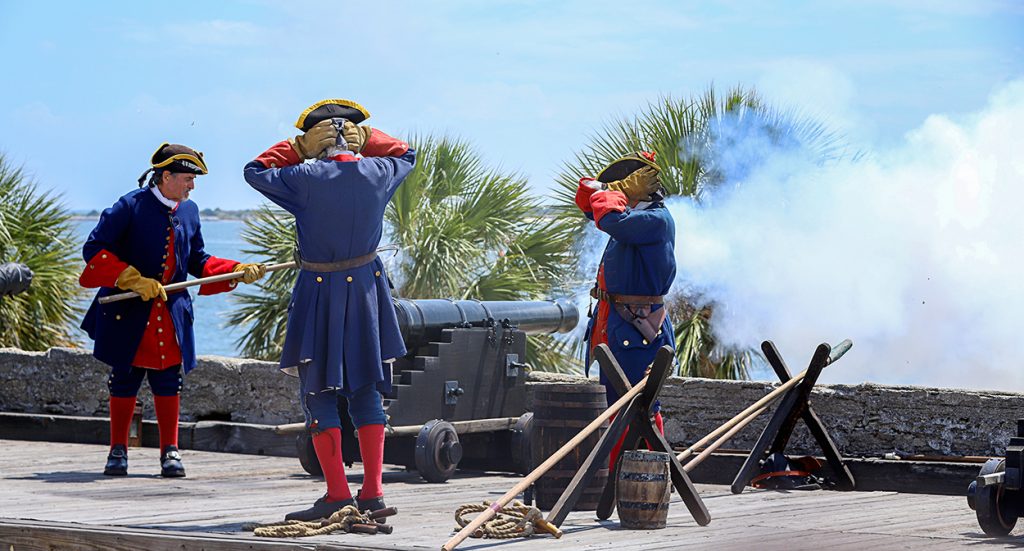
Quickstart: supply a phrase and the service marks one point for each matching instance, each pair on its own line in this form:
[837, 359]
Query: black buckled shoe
[371, 504]
[117, 461]
[320, 509]
[170, 463]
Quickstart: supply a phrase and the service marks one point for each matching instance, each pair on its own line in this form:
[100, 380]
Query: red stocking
[371, 447]
[328, 451]
[167, 408]
[121, 411]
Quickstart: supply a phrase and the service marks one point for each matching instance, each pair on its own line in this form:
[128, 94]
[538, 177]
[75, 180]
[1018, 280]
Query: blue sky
[90, 89]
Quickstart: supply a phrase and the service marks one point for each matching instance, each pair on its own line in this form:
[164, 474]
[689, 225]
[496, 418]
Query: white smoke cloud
[913, 252]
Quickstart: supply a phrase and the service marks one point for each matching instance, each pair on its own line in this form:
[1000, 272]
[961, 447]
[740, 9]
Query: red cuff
[382, 145]
[583, 193]
[102, 270]
[608, 201]
[281, 154]
[216, 266]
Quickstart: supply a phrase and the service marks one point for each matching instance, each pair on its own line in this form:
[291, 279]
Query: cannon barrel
[422, 320]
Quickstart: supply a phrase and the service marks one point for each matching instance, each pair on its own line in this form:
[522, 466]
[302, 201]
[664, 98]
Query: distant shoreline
[205, 214]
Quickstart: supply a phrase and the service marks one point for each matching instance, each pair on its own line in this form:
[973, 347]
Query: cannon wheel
[994, 515]
[522, 438]
[307, 454]
[438, 451]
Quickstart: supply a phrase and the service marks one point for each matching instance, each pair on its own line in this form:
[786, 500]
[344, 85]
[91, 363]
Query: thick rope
[515, 520]
[341, 521]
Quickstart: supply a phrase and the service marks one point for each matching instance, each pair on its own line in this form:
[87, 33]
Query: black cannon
[459, 395]
[14, 278]
[997, 495]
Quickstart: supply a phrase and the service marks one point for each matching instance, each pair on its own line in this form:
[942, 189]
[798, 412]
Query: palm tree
[463, 231]
[35, 230]
[689, 136]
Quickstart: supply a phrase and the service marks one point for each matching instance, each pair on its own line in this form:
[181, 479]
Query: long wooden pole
[175, 287]
[725, 438]
[544, 467]
[768, 398]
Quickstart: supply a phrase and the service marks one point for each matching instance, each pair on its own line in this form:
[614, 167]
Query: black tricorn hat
[329, 109]
[626, 165]
[174, 157]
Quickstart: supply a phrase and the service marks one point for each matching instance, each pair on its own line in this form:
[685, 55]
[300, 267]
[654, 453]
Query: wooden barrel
[642, 490]
[560, 412]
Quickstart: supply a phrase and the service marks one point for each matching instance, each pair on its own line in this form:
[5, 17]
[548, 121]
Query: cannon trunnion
[459, 392]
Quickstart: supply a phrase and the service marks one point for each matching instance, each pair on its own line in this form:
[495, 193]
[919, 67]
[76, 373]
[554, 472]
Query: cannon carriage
[459, 395]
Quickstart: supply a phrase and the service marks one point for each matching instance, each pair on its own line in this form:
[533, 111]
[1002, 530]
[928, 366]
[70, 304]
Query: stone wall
[864, 420]
[70, 381]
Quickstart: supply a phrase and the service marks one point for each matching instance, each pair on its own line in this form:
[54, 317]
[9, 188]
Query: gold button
[232, 284]
[103, 256]
[162, 356]
[91, 267]
[165, 257]
[117, 317]
[625, 343]
[319, 279]
[159, 304]
[349, 279]
[645, 342]
[164, 266]
[158, 318]
[159, 329]
[377, 273]
[147, 324]
[273, 165]
[161, 343]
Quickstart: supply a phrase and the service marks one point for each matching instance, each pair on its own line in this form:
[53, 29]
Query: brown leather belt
[337, 266]
[601, 294]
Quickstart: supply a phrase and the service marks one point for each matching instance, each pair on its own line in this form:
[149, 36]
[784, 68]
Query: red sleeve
[583, 193]
[279, 155]
[608, 201]
[102, 270]
[382, 145]
[216, 266]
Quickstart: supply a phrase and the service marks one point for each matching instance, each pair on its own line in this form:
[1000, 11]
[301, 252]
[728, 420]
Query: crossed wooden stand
[635, 417]
[794, 406]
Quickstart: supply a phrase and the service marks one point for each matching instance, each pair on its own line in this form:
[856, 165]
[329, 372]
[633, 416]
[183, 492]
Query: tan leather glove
[147, 288]
[309, 144]
[639, 185]
[355, 135]
[252, 271]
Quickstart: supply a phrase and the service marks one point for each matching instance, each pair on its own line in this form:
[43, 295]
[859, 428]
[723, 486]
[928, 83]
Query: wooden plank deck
[53, 496]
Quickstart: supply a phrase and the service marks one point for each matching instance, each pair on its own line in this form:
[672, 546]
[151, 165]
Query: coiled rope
[515, 520]
[341, 521]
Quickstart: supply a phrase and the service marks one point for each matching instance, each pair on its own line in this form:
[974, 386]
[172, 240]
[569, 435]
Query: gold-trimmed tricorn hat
[174, 157]
[626, 165]
[329, 109]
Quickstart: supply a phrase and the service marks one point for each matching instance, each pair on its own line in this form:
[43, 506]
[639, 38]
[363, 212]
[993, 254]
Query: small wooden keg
[642, 489]
[560, 411]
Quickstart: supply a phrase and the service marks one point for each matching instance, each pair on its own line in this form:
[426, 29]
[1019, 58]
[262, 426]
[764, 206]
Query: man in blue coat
[151, 237]
[637, 267]
[342, 327]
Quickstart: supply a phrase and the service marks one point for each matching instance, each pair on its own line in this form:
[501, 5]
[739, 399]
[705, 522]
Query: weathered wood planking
[53, 497]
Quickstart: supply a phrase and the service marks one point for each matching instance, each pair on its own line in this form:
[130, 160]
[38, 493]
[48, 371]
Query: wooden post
[543, 468]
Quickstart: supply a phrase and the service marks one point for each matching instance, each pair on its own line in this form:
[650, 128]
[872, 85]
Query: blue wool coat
[638, 260]
[135, 229]
[341, 325]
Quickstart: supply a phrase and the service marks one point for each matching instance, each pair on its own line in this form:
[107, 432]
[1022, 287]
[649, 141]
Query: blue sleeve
[197, 255]
[394, 170]
[109, 231]
[286, 187]
[636, 227]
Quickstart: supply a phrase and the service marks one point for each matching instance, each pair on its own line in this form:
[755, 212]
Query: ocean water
[213, 334]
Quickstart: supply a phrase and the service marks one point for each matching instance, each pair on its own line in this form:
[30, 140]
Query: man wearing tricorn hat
[149, 238]
[342, 327]
[637, 268]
